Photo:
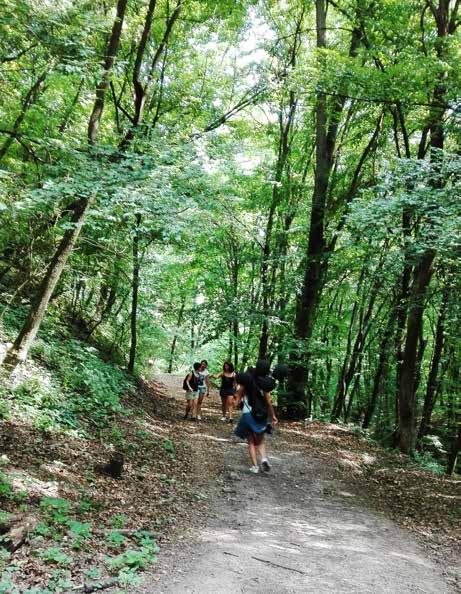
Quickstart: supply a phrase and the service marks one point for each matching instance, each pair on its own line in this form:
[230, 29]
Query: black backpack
[193, 382]
[258, 403]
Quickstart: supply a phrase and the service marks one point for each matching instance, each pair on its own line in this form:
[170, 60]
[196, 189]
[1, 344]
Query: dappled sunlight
[154, 428]
[62, 471]
[33, 486]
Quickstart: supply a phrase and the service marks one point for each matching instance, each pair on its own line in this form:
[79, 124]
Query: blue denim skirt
[247, 424]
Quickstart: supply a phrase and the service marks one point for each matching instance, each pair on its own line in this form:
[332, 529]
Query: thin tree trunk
[307, 302]
[29, 99]
[135, 293]
[454, 451]
[66, 119]
[433, 379]
[175, 337]
[103, 85]
[21, 345]
[383, 356]
[285, 126]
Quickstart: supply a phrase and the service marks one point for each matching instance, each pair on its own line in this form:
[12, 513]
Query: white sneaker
[199, 418]
[254, 469]
[265, 465]
[223, 419]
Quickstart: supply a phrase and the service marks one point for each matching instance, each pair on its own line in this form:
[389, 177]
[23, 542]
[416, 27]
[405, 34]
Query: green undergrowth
[64, 535]
[66, 385]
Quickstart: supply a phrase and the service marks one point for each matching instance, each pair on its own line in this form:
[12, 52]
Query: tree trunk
[29, 99]
[326, 132]
[21, 346]
[454, 451]
[103, 85]
[307, 302]
[433, 380]
[135, 292]
[67, 116]
[423, 270]
[175, 337]
[383, 355]
[408, 373]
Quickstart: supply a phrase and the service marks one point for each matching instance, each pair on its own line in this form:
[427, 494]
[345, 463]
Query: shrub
[427, 462]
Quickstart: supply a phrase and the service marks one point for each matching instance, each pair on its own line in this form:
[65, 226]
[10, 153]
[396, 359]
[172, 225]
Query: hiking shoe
[185, 417]
[193, 418]
[223, 419]
[265, 465]
[254, 469]
[229, 421]
[199, 418]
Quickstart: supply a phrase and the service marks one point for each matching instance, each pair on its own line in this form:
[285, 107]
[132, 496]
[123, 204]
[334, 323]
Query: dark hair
[280, 372]
[196, 366]
[204, 361]
[257, 378]
[262, 368]
[230, 367]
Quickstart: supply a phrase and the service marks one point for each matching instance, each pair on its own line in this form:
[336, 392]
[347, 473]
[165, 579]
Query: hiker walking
[227, 390]
[203, 386]
[254, 394]
[190, 385]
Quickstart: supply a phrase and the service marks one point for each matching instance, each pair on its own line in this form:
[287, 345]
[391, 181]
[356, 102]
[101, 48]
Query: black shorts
[225, 395]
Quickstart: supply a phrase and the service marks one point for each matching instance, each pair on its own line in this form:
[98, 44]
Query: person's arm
[239, 395]
[215, 375]
[271, 408]
[189, 377]
[207, 383]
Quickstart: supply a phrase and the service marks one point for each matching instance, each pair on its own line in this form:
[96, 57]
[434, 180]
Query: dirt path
[288, 531]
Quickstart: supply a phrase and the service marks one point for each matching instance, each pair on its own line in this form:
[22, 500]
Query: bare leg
[199, 403]
[229, 406]
[194, 408]
[223, 406]
[261, 449]
[252, 449]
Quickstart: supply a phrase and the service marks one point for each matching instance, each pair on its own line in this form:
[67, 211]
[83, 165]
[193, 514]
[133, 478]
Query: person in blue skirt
[254, 397]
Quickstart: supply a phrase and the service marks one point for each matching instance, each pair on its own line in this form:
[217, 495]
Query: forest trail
[291, 530]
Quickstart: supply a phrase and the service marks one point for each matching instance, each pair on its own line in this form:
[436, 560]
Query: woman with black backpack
[190, 386]
[254, 397]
